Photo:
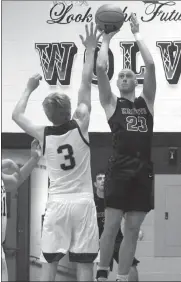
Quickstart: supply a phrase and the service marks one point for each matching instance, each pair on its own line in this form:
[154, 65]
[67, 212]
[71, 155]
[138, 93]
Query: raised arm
[149, 85]
[107, 98]
[8, 164]
[19, 116]
[82, 113]
[16, 179]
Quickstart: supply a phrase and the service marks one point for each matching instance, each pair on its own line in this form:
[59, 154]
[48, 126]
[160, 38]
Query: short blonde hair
[57, 108]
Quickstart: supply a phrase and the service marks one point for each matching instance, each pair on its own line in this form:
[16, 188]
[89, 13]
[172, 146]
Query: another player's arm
[82, 113]
[19, 116]
[8, 164]
[16, 179]
[107, 99]
[149, 86]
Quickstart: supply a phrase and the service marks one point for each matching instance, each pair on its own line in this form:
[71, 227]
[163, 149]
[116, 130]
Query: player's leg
[133, 274]
[85, 238]
[4, 269]
[107, 241]
[85, 271]
[49, 271]
[96, 261]
[111, 266]
[55, 237]
[112, 223]
[133, 221]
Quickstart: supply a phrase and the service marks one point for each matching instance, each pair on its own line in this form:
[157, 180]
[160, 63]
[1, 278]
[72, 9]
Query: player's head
[126, 81]
[57, 108]
[99, 180]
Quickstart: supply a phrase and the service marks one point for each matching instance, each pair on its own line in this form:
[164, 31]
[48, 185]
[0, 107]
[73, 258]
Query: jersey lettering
[68, 155]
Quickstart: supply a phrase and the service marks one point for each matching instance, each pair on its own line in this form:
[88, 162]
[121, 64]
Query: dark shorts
[129, 187]
[80, 258]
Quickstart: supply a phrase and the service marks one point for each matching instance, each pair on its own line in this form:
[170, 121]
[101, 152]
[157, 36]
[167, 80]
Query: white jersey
[67, 155]
[3, 211]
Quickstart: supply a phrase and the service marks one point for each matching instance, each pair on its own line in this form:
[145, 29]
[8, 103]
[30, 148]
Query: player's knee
[111, 227]
[85, 266]
[133, 222]
[53, 257]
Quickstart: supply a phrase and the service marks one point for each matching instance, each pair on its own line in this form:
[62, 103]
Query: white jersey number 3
[67, 152]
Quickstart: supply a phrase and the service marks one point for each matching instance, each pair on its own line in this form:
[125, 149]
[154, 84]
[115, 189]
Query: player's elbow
[87, 106]
[101, 67]
[151, 65]
[16, 116]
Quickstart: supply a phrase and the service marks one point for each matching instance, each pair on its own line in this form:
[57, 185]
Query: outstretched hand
[35, 149]
[134, 23]
[91, 40]
[33, 82]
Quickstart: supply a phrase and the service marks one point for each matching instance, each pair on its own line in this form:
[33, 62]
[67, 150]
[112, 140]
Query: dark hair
[99, 172]
[57, 108]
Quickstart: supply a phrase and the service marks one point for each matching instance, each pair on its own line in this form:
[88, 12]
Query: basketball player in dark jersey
[70, 222]
[99, 201]
[128, 181]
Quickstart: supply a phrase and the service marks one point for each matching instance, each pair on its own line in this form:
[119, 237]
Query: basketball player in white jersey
[70, 222]
[9, 182]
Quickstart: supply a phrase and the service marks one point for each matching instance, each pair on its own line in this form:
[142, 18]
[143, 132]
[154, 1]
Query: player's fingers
[38, 153]
[81, 38]
[86, 30]
[95, 30]
[131, 22]
[133, 18]
[92, 28]
[38, 76]
[33, 143]
[132, 25]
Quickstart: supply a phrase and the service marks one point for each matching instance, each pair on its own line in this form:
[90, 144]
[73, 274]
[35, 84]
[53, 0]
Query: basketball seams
[109, 22]
[103, 21]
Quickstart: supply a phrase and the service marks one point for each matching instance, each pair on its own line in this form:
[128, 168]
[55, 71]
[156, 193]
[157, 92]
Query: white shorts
[4, 271]
[70, 224]
[97, 259]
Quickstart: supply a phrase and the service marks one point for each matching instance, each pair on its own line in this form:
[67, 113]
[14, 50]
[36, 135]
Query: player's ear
[95, 184]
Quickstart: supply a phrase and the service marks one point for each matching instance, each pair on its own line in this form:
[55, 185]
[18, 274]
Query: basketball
[109, 18]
